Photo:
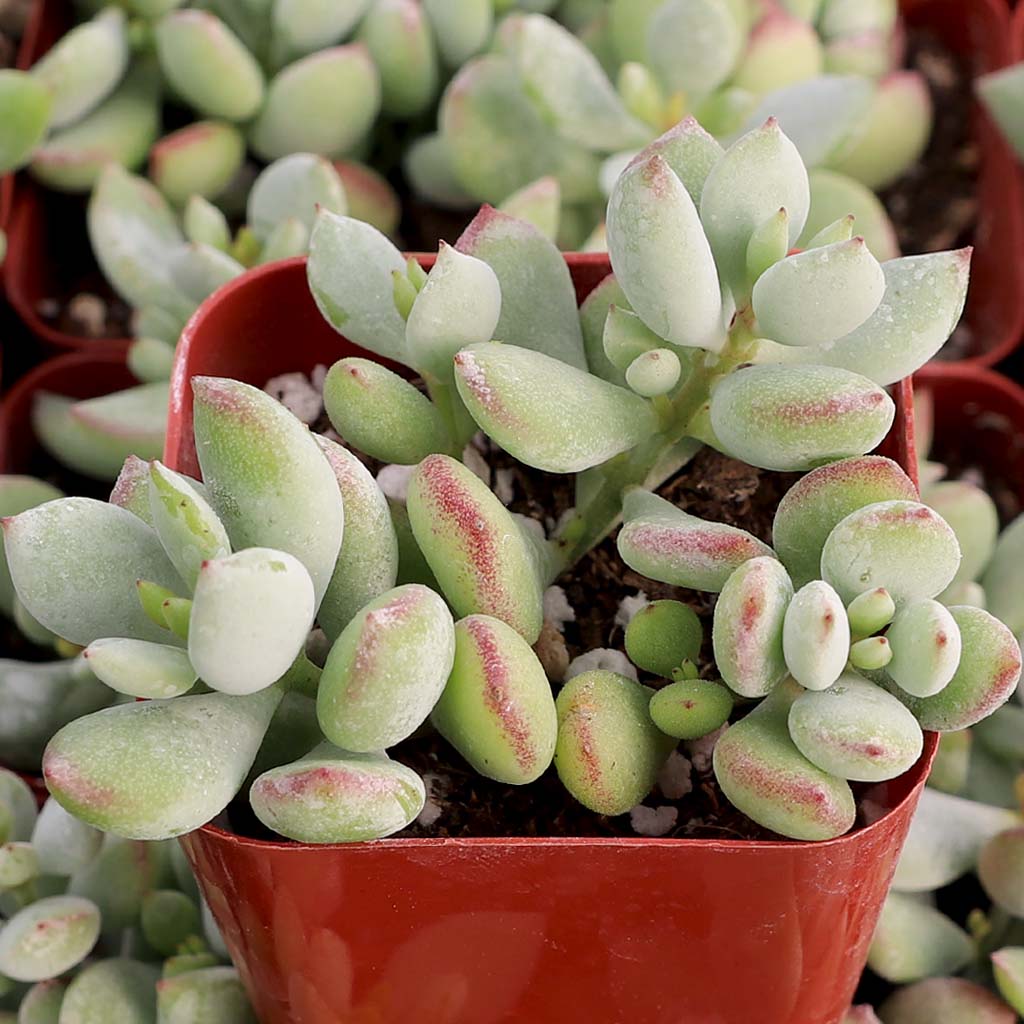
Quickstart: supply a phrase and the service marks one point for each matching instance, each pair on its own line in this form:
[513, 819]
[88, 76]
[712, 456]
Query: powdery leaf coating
[208, 65]
[816, 503]
[988, 672]
[662, 635]
[925, 642]
[975, 520]
[748, 626]
[109, 990]
[386, 671]
[1008, 967]
[62, 843]
[609, 751]
[293, 188]
[458, 305]
[157, 769]
[764, 775]
[946, 836]
[792, 418]
[497, 708]
[758, 175]
[368, 561]
[835, 195]
[26, 103]
[48, 937]
[19, 494]
[188, 528]
[211, 995]
[690, 153]
[941, 999]
[1002, 578]
[381, 413]
[139, 668]
[855, 730]
[335, 796]
[200, 159]
[902, 546]
[251, 614]
[691, 708]
[593, 316]
[819, 295]
[768, 245]
[462, 28]
[131, 488]
[549, 415]
[538, 300]
[349, 271]
[661, 256]
[267, 478]
[671, 546]
[74, 563]
[816, 636]
[398, 36]
[626, 338]
[913, 941]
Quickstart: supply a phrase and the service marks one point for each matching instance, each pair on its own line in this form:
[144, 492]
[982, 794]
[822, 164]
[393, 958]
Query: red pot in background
[501, 931]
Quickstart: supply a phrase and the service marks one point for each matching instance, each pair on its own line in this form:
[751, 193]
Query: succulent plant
[1002, 93]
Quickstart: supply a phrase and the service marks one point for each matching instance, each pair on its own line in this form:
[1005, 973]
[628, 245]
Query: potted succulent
[710, 332]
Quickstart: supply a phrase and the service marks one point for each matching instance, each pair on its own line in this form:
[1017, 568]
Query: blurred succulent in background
[102, 928]
[1002, 93]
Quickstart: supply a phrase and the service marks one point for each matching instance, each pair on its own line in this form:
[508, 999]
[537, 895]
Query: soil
[13, 18]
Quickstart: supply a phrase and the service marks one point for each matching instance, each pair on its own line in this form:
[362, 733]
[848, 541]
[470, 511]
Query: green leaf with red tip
[974, 518]
[1001, 92]
[62, 843]
[497, 709]
[661, 257]
[816, 636]
[475, 548]
[1002, 578]
[768, 245]
[538, 300]
[349, 270]
[835, 195]
[925, 642]
[1008, 967]
[26, 103]
[251, 614]
[199, 159]
[293, 188]
[212, 995]
[367, 563]
[662, 635]
[549, 415]
[131, 488]
[798, 417]
[386, 671]
[748, 626]
[336, 796]
[757, 176]
[157, 769]
[608, 752]
[691, 708]
[690, 153]
[19, 494]
[325, 103]
[109, 990]
[267, 478]
[398, 36]
[74, 563]
[913, 941]
[48, 938]
[764, 775]
[369, 196]
[781, 49]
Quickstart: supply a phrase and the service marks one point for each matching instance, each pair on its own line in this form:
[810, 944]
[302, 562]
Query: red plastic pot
[502, 931]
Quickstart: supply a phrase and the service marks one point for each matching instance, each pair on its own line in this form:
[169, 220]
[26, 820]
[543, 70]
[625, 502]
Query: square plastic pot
[544, 930]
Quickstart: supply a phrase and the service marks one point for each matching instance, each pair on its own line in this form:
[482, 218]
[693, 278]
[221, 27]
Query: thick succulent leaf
[902, 546]
[593, 317]
[855, 730]
[458, 305]
[689, 151]
[1001, 870]
[781, 50]
[41, 1003]
[251, 615]
[895, 132]
[131, 488]
[305, 26]
[84, 66]
[835, 195]
[538, 300]
[74, 563]
[335, 796]
[626, 337]
[17, 807]
[63, 844]
[341, 85]
[848, 17]
[295, 187]
[349, 269]
[497, 708]
[398, 36]
[382, 414]
[539, 204]
[768, 245]
[367, 564]
[792, 418]
[815, 297]
[462, 28]
[662, 635]
[188, 528]
[198, 270]
[18, 494]
[608, 751]
[628, 24]
[691, 708]
[671, 546]
[26, 103]
[477, 551]
[369, 196]
[386, 671]
[952, 762]
[748, 626]
[131, 228]
[208, 65]
[937, 999]
[816, 636]
[764, 775]
[986, 676]
[157, 769]
[168, 919]
[268, 480]
[48, 938]
[212, 995]
[200, 159]
[139, 668]
[758, 175]
[1002, 578]
[429, 170]
[925, 642]
[914, 940]
[974, 518]
[547, 414]
[150, 360]
[1000, 91]
[122, 990]
[1008, 967]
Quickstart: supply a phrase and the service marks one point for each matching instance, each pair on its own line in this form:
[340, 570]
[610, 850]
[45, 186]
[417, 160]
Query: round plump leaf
[925, 642]
[62, 843]
[294, 188]
[871, 611]
[139, 668]
[1001, 870]
[200, 159]
[109, 990]
[26, 103]
[398, 37]
[1002, 578]
[1008, 966]
[816, 636]
[169, 918]
[941, 999]
[41, 1004]
[974, 518]
[211, 995]
[835, 195]
[662, 635]
[18, 494]
[48, 938]
[691, 708]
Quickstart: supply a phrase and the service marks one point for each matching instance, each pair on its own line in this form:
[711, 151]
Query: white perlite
[298, 395]
[674, 779]
[557, 609]
[473, 460]
[432, 809]
[629, 606]
[701, 750]
[602, 658]
[394, 480]
[653, 821]
[504, 485]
